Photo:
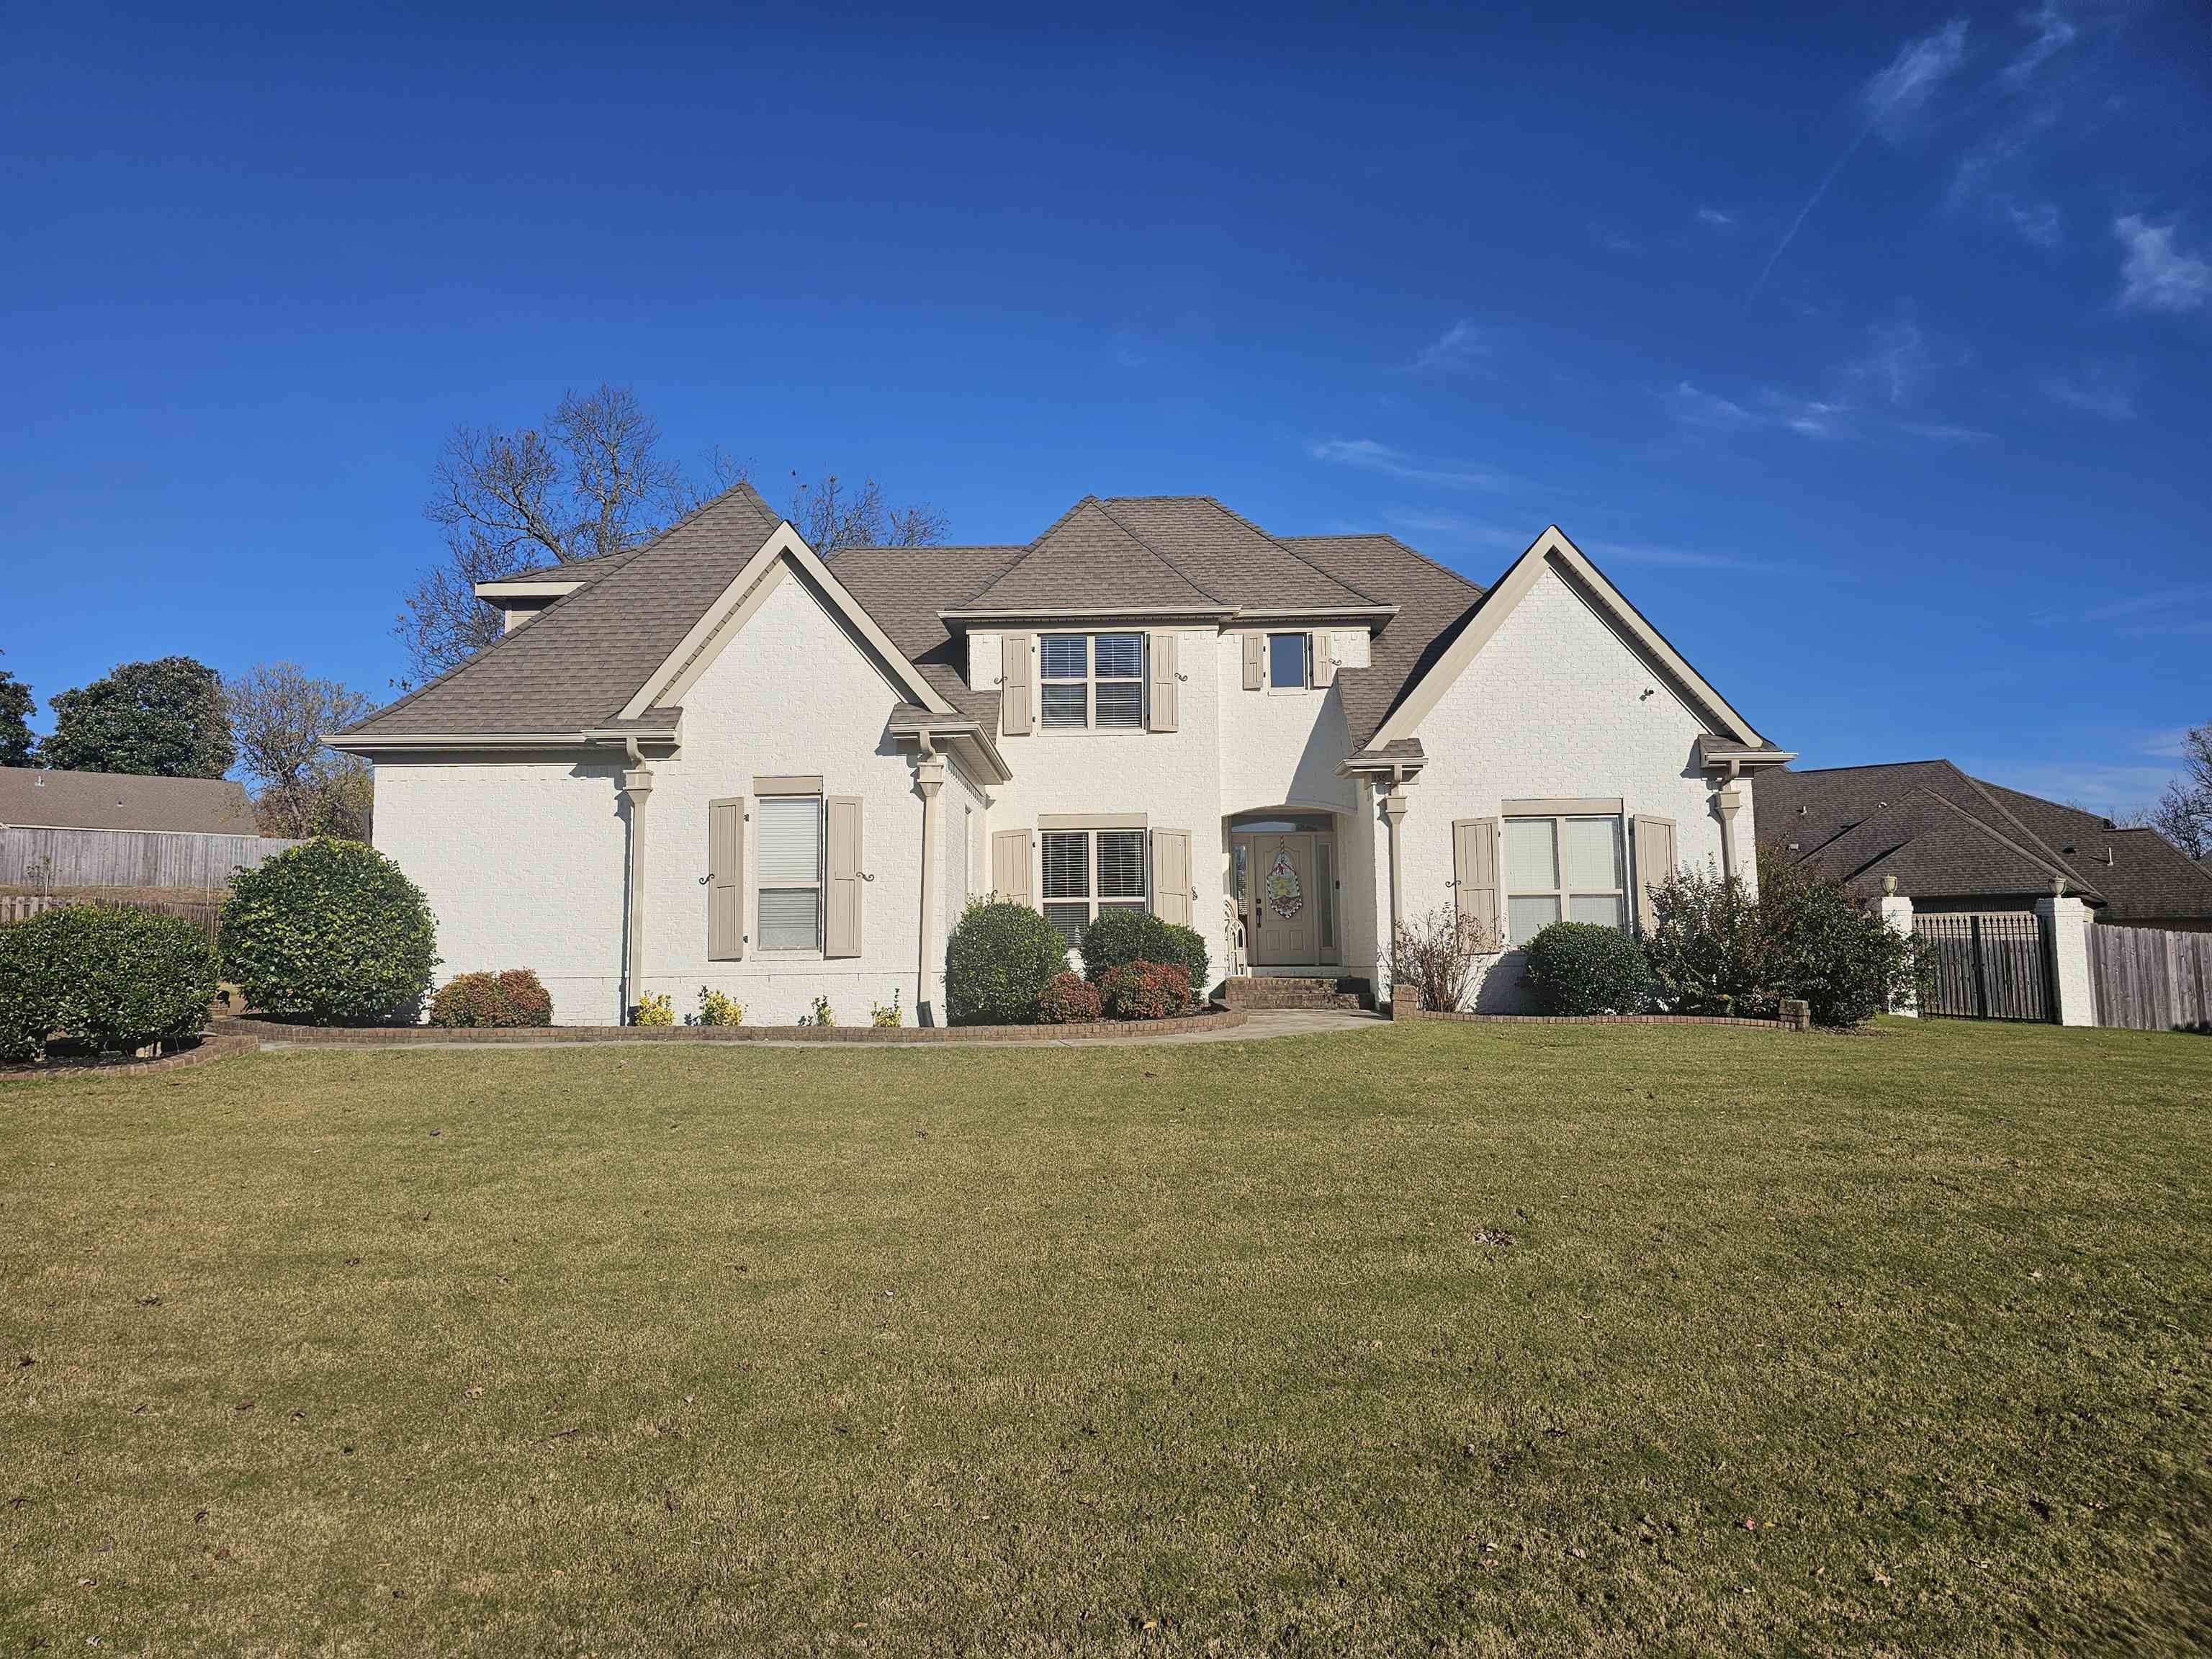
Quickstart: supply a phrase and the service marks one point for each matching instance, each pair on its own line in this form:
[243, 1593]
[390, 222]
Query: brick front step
[1267, 991]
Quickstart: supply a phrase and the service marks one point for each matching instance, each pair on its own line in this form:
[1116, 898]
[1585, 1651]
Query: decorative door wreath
[1285, 896]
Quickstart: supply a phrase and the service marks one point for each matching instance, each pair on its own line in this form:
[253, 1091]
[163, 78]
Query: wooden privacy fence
[1995, 965]
[128, 857]
[21, 907]
[2147, 979]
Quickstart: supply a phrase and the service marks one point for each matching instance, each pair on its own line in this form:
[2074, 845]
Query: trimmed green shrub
[1706, 950]
[1114, 937]
[1000, 957]
[1069, 1000]
[113, 979]
[1581, 968]
[1847, 963]
[515, 998]
[331, 933]
[1144, 990]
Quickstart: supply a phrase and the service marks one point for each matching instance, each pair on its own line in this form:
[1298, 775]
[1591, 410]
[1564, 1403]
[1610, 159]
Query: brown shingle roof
[2149, 878]
[1434, 603]
[903, 587]
[117, 800]
[1226, 556]
[587, 652]
[1088, 559]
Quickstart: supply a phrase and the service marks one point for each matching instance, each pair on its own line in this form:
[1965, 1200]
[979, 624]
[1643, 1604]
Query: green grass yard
[1500, 1340]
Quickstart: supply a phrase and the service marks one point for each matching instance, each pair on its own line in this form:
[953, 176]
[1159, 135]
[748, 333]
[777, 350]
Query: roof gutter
[936, 729]
[372, 743]
[1375, 613]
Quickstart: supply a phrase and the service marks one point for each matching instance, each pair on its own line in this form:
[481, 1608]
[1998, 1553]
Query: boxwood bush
[1116, 937]
[112, 979]
[1582, 967]
[331, 933]
[1000, 957]
[512, 998]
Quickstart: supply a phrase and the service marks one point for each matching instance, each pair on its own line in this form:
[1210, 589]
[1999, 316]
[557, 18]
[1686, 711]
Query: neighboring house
[119, 800]
[719, 760]
[78, 830]
[1956, 843]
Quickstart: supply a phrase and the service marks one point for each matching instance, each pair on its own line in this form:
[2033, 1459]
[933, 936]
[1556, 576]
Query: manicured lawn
[1437, 1338]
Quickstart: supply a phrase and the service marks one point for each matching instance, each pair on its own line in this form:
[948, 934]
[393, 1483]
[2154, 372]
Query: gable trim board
[706, 640]
[1549, 551]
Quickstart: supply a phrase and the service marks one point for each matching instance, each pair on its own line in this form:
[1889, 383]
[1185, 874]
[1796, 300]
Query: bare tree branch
[278, 714]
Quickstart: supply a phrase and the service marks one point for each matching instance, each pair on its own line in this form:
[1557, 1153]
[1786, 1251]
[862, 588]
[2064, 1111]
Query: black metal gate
[1985, 966]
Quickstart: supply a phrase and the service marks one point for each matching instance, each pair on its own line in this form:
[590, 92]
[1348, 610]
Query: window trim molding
[1092, 899]
[1305, 638]
[1093, 821]
[1562, 806]
[793, 784]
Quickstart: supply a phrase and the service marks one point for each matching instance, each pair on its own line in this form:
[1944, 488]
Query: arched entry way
[1285, 882]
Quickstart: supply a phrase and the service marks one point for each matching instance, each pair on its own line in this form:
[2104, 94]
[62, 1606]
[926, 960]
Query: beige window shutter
[1474, 880]
[1253, 643]
[1654, 862]
[847, 880]
[1321, 657]
[1160, 717]
[1014, 699]
[1171, 893]
[726, 879]
[1010, 865]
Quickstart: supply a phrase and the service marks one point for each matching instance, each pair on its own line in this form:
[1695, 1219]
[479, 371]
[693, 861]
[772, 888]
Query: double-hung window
[1087, 871]
[790, 872]
[1092, 680]
[1566, 867]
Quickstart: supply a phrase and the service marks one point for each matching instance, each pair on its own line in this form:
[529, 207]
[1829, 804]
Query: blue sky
[1870, 348]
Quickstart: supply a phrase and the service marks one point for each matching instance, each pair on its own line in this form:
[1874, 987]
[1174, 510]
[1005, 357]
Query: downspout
[1394, 811]
[636, 788]
[929, 774]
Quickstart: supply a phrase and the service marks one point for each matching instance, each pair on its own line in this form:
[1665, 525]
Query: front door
[1279, 926]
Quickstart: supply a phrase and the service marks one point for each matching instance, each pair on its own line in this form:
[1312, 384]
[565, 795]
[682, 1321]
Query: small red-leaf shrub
[509, 999]
[1068, 999]
[1144, 990]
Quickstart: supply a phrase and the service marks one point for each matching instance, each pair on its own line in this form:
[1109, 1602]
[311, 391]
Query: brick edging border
[1795, 1017]
[215, 1045]
[256, 1032]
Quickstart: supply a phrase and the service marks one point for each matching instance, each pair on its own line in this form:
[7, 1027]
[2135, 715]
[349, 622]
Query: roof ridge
[2048, 857]
[1106, 507]
[1273, 540]
[1036, 546]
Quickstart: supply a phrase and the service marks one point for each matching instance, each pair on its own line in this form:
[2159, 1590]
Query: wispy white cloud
[2157, 611]
[1893, 99]
[1455, 529]
[2035, 222]
[1464, 343]
[2154, 274]
[1714, 217]
[2053, 34]
[1612, 239]
[1668, 558]
[1890, 104]
[1695, 407]
[1369, 456]
[2103, 388]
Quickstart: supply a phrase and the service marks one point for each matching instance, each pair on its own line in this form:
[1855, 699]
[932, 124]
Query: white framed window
[1087, 871]
[789, 871]
[1286, 662]
[1569, 868]
[1091, 680]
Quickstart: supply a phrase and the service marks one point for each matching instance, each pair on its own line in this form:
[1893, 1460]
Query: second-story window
[1092, 680]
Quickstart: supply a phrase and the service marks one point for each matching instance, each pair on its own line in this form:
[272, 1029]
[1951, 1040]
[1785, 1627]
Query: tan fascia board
[374, 743]
[1398, 767]
[542, 589]
[1374, 613]
[1734, 761]
[706, 638]
[1515, 585]
[958, 731]
[1034, 617]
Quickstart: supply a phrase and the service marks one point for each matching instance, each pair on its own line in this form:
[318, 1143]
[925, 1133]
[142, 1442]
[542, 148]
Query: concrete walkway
[1259, 1025]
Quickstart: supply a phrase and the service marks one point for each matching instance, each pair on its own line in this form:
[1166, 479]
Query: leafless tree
[2183, 813]
[278, 715]
[592, 481]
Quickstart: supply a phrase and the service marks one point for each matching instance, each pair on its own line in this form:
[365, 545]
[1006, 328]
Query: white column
[636, 787]
[2066, 925]
[1896, 911]
[1394, 811]
[929, 774]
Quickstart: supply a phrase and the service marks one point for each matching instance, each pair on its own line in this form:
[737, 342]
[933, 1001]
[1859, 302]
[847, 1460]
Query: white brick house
[719, 760]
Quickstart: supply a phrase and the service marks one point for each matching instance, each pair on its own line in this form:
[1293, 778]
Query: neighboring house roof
[1862, 823]
[580, 660]
[31, 799]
